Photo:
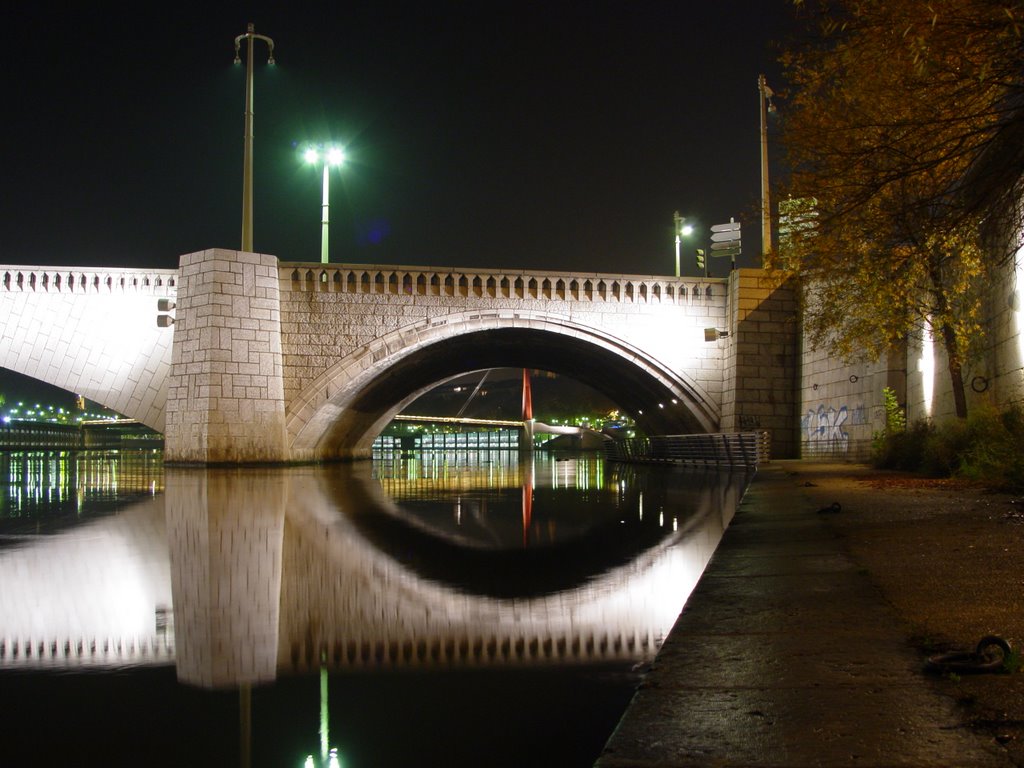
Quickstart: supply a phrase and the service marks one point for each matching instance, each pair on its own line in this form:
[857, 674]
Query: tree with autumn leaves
[900, 125]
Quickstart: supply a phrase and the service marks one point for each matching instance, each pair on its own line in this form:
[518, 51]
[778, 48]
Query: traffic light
[700, 259]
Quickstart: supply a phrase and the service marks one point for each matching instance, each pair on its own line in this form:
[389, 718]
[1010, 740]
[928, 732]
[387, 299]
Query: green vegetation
[984, 448]
[894, 122]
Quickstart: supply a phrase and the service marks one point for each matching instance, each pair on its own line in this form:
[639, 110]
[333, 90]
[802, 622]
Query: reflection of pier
[266, 577]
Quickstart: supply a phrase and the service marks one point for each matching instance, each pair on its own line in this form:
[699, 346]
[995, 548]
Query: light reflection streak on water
[35, 480]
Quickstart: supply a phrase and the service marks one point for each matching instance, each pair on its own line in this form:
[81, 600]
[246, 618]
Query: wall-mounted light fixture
[165, 306]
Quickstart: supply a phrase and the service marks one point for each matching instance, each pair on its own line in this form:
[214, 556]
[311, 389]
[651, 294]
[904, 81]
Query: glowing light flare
[926, 367]
[330, 156]
[1016, 303]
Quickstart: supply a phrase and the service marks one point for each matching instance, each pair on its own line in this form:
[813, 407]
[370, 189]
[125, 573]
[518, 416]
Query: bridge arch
[339, 413]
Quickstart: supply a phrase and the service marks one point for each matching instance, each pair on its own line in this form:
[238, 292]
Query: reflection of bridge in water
[424, 475]
[239, 575]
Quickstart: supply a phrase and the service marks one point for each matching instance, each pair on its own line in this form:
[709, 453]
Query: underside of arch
[350, 411]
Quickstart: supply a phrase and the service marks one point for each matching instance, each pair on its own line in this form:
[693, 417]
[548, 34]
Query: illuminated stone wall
[269, 358]
[225, 399]
[761, 362]
[344, 324]
[1000, 375]
[92, 332]
[841, 404]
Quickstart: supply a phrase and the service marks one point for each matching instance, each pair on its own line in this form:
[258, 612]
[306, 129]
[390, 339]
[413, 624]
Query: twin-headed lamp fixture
[329, 156]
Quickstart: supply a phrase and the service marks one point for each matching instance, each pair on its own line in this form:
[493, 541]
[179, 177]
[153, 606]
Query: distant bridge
[237, 357]
[460, 420]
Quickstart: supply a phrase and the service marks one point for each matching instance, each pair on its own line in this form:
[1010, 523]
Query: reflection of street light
[249, 36]
[682, 230]
[328, 755]
[330, 156]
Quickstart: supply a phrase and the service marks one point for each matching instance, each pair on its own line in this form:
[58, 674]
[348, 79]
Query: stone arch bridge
[237, 357]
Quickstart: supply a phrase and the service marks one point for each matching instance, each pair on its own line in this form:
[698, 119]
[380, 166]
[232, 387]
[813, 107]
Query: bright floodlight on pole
[249, 36]
[682, 230]
[330, 156]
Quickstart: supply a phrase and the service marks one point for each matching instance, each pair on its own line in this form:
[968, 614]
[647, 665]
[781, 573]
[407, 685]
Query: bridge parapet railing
[430, 281]
[728, 449]
[78, 280]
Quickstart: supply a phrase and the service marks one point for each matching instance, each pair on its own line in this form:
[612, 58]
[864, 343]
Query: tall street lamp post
[682, 230]
[766, 212]
[330, 156]
[249, 37]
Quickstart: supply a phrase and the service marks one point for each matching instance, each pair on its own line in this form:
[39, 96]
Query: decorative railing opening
[429, 282]
[59, 280]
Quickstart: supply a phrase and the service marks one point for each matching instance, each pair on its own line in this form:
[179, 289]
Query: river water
[473, 608]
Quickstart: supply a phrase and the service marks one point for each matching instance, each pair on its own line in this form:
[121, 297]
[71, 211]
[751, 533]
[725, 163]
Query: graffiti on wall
[824, 428]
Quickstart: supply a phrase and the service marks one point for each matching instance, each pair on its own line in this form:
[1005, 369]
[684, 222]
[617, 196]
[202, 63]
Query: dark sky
[549, 135]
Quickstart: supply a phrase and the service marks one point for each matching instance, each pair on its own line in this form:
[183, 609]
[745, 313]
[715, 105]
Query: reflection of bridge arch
[341, 411]
[622, 613]
[491, 568]
[264, 576]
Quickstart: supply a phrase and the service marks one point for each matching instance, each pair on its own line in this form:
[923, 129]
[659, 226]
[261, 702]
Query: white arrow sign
[732, 226]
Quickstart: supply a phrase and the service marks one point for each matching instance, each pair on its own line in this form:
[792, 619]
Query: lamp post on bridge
[249, 37]
[682, 230]
[767, 107]
[329, 156]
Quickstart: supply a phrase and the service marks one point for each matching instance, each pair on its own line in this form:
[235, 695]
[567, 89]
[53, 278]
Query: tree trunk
[956, 373]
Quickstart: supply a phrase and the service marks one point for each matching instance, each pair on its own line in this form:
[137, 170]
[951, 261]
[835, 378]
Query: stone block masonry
[92, 332]
[225, 400]
[762, 360]
[268, 362]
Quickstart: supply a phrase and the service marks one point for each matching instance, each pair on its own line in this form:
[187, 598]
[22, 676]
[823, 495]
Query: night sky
[480, 134]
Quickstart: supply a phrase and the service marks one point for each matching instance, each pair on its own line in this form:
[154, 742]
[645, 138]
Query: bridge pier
[225, 398]
[761, 366]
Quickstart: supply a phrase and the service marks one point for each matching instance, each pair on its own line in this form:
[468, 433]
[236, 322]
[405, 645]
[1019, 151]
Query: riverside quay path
[786, 655]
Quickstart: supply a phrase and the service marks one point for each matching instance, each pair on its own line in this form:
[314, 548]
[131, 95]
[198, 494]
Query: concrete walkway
[786, 655]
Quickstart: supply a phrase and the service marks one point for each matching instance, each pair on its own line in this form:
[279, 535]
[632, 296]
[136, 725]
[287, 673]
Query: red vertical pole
[527, 510]
[527, 397]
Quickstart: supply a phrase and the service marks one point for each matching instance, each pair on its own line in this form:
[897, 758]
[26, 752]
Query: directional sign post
[725, 240]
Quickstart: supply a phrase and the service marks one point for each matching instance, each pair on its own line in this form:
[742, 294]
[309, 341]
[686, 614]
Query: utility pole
[765, 94]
